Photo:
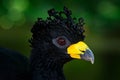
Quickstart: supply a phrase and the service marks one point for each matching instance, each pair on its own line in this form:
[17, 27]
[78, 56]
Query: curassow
[55, 41]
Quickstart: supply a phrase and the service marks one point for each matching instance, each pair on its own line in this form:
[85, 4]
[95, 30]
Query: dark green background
[102, 18]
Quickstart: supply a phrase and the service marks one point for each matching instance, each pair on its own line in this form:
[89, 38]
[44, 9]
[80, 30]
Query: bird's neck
[46, 68]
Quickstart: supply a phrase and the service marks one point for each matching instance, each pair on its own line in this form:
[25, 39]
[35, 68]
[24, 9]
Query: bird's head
[61, 37]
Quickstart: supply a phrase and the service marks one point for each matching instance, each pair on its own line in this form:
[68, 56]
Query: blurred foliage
[102, 27]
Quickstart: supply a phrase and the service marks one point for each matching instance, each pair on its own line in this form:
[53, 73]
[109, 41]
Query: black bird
[55, 41]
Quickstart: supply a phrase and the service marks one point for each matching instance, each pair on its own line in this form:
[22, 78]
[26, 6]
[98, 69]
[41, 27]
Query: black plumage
[49, 42]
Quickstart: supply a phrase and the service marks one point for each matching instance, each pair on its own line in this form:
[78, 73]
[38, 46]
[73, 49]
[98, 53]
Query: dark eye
[61, 41]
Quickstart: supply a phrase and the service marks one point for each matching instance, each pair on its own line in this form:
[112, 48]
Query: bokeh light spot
[19, 5]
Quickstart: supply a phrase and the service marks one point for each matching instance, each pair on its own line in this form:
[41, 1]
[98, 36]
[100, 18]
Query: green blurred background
[102, 18]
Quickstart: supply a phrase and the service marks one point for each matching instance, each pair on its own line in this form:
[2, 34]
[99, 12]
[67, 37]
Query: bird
[54, 42]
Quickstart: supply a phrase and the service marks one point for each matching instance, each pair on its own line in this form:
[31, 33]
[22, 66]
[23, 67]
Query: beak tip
[88, 56]
[92, 61]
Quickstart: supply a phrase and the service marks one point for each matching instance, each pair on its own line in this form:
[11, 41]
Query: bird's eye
[61, 41]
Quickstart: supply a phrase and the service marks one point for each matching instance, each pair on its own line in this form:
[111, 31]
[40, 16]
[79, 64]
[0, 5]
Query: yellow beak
[80, 51]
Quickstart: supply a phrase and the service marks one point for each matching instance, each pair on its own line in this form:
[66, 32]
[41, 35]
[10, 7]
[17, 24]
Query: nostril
[83, 51]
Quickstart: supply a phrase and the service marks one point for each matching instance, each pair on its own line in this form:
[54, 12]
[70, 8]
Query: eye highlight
[61, 42]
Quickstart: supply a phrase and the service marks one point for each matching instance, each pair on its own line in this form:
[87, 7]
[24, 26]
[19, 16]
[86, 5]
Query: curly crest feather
[57, 20]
